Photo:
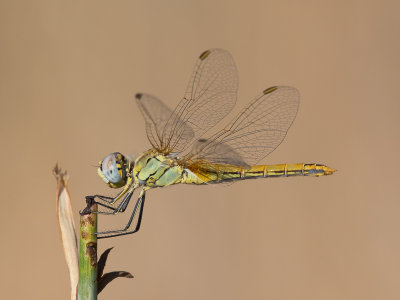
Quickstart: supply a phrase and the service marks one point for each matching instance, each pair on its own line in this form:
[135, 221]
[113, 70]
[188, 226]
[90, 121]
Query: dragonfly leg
[120, 208]
[108, 202]
[124, 231]
[103, 198]
[111, 200]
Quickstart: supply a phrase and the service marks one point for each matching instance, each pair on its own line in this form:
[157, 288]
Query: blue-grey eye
[110, 169]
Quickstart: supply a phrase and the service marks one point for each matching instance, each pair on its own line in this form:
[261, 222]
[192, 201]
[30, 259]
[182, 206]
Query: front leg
[111, 200]
[112, 210]
[108, 202]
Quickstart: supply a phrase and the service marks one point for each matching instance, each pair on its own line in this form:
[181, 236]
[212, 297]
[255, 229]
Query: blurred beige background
[69, 70]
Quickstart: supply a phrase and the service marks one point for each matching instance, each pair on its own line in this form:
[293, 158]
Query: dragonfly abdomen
[300, 169]
[222, 173]
[280, 170]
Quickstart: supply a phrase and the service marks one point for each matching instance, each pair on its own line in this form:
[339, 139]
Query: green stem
[87, 286]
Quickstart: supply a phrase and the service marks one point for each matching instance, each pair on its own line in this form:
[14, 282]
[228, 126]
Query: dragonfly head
[113, 170]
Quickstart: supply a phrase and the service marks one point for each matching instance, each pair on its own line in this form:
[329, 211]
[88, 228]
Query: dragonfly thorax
[113, 170]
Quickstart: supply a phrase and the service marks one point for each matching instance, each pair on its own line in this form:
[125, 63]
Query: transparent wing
[253, 134]
[217, 152]
[156, 116]
[209, 97]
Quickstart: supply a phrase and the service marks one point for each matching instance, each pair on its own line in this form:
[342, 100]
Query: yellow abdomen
[223, 173]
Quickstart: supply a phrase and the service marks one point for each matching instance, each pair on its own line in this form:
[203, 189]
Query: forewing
[255, 132]
[156, 115]
[209, 97]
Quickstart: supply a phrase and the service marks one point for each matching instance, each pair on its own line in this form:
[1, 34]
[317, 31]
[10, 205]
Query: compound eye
[110, 169]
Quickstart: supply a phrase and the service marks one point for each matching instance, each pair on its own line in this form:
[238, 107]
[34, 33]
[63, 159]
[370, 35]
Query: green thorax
[155, 170]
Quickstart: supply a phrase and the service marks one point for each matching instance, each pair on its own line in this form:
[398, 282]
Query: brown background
[69, 71]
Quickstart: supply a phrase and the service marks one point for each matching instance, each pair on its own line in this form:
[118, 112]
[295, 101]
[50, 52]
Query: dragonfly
[180, 152]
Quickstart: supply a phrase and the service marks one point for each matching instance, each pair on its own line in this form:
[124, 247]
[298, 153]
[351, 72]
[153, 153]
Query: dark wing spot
[138, 96]
[270, 90]
[204, 55]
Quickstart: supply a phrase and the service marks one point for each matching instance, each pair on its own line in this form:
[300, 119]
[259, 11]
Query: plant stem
[87, 286]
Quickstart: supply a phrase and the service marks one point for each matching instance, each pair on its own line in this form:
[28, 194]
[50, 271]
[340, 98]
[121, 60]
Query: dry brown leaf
[66, 227]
